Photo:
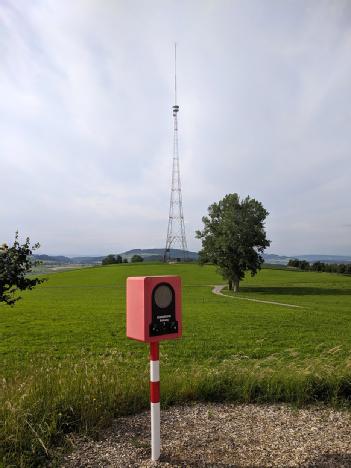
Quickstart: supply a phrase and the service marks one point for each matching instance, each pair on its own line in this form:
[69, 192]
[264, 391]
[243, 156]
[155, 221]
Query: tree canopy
[15, 264]
[233, 237]
[137, 258]
[344, 268]
[110, 259]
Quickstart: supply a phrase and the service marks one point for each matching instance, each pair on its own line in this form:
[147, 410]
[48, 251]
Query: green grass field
[67, 365]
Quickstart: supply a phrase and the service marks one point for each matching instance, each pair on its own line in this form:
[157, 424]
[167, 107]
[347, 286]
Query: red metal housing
[146, 295]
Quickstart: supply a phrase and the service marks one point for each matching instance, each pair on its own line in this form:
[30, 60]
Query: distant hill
[154, 255]
[149, 255]
[51, 258]
[276, 259]
[325, 258]
[283, 260]
[63, 260]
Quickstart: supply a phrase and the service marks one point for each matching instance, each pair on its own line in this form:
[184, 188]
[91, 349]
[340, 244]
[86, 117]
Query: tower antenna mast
[175, 73]
[176, 230]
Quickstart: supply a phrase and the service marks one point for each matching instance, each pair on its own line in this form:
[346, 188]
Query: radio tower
[176, 230]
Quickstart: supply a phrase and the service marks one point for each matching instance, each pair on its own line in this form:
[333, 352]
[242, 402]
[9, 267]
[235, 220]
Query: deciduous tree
[233, 237]
[15, 265]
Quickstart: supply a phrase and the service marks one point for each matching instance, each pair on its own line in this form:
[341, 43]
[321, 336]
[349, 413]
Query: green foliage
[15, 264]
[302, 264]
[137, 259]
[111, 259]
[320, 266]
[67, 364]
[233, 237]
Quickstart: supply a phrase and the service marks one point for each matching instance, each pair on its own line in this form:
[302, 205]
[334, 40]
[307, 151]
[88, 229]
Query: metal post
[155, 400]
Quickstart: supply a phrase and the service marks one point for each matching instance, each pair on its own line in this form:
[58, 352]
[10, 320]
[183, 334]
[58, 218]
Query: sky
[86, 90]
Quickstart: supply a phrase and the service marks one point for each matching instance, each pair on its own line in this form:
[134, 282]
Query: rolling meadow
[66, 364]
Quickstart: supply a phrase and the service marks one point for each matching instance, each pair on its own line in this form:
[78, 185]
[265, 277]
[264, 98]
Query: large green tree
[15, 264]
[233, 237]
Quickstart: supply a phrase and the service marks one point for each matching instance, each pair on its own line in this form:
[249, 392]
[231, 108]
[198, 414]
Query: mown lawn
[67, 365]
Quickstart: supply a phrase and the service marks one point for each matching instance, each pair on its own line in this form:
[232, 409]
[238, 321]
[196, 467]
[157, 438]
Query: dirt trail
[218, 290]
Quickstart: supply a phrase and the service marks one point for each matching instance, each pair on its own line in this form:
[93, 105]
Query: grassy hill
[67, 365]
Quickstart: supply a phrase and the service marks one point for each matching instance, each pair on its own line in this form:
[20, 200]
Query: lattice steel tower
[176, 231]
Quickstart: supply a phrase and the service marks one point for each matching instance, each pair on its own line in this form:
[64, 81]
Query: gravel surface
[223, 435]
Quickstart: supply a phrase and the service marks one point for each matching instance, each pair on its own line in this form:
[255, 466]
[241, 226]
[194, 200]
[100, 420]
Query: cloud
[86, 126]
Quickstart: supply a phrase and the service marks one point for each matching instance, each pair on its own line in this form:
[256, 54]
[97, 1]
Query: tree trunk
[236, 284]
[230, 285]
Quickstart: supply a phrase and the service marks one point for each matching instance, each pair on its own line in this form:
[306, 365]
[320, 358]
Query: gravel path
[223, 435]
[218, 290]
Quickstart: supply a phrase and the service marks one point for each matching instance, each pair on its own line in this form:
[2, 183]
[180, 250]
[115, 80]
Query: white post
[155, 400]
[155, 431]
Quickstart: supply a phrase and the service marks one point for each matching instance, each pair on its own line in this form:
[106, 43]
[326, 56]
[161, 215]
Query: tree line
[321, 266]
[112, 259]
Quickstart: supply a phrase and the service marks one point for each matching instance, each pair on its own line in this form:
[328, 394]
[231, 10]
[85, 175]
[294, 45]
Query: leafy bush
[15, 264]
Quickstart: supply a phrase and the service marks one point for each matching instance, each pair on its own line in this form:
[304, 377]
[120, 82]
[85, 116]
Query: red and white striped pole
[155, 400]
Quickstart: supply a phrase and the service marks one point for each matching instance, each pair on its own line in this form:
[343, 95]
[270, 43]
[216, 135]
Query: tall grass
[37, 412]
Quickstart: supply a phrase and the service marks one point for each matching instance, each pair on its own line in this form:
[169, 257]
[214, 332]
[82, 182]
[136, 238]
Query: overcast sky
[86, 89]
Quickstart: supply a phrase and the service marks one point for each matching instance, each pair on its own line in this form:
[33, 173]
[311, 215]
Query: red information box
[154, 310]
